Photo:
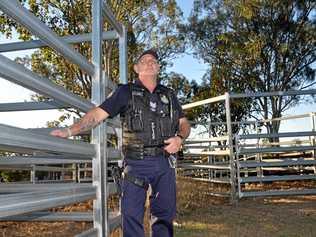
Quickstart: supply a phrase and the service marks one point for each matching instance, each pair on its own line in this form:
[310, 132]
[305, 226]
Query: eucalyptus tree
[149, 23]
[256, 46]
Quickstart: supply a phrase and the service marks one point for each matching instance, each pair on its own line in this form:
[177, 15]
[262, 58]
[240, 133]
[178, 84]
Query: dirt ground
[261, 217]
[202, 215]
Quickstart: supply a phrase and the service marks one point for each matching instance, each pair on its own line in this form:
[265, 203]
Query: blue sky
[190, 67]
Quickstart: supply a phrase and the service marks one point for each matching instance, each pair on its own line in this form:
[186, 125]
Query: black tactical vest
[149, 122]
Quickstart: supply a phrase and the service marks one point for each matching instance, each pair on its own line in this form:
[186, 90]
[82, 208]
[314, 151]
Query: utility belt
[139, 151]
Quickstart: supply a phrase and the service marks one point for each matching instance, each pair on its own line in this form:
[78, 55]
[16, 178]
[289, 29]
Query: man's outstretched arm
[90, 120]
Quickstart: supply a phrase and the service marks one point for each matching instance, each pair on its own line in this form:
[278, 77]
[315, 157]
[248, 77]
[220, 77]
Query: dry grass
[202, 215]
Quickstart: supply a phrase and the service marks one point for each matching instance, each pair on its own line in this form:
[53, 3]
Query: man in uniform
[154, 128]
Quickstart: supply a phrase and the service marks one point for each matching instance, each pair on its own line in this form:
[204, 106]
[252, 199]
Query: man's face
[147, 65]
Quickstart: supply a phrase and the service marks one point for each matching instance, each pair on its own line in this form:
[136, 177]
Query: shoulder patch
[164, 99]
[165, 88]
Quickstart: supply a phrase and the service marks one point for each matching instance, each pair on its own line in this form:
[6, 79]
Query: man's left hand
[173, 144]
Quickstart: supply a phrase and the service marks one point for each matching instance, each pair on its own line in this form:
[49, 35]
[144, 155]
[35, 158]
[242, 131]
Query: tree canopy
[150, 24]
[256, 46]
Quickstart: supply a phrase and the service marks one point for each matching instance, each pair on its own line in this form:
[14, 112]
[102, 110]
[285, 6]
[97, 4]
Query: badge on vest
[164, 99]
[153, 106]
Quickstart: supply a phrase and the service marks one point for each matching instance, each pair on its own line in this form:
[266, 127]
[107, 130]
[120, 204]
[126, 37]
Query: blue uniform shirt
[117, 103]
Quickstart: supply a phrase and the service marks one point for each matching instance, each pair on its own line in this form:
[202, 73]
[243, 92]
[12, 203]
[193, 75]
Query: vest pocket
[165, 126]
[137, 122]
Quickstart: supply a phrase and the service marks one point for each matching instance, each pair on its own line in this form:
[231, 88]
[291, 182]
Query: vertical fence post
[238, 191]
[123, 56]
[33, 174]
[210, 159]
[123, 53]
[258, 155]
[78, 173]
[231, 148]
[74, 173]
[98, 134]
[62, 173]
[312, 139]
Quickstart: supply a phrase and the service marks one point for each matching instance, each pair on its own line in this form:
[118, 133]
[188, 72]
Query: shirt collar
[139, 83]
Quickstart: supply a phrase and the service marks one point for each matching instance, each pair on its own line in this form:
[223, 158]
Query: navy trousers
[157, 173]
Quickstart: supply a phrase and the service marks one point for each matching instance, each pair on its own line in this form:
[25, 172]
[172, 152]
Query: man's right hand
[86, 123]
[63, 133]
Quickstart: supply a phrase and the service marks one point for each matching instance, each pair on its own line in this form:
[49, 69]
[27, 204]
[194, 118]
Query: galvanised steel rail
[31, 106]
[51, 104]
[110, 130]
[17, 139]
[253, 150]
[99, 164]
[303, 165]
[39, 160]
[28, 195]
[204, 102]
[69, 39]
[270, 178]
[22, 76]
[111, 18]
[27, 187]
[227, 169]
[37, 201]
[204, 140]
[273, 93]
[271, 193]
[26, 198]
[271, 135]
[204, 166]
[201, 153]
[277, 163]
[245, 151]
[38, 168]
[51, 216]
[211, 147]
[15, 10]
[261, 121]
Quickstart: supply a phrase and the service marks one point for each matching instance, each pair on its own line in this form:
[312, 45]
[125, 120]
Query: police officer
[154, 128]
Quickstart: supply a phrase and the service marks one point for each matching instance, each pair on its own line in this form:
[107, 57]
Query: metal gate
[242, 160]
[41, 151]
